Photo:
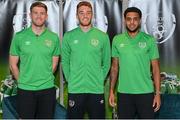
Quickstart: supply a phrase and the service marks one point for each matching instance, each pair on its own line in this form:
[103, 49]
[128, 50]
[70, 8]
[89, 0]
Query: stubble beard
[133, 31]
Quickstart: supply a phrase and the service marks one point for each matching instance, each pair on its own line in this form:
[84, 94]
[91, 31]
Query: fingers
[156, 103]
[156, 106]
[112, 101]
[113, 104]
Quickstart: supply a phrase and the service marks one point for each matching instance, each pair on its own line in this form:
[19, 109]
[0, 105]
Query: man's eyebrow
[83, 11]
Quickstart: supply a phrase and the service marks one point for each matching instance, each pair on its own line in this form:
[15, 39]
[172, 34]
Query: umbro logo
[101, 101]
[71, 103]
[27, 43]
[122, 45]
[75, 41]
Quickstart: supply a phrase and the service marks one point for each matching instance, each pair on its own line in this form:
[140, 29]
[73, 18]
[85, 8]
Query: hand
[112, 99]
[157, 102]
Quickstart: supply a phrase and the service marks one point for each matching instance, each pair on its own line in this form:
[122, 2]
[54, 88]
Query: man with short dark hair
[133, 54]
[37, 49]
[85, 62]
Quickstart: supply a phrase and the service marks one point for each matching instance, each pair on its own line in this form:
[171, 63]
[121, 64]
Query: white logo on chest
[121, 45]
[27, 43]
[75, 41]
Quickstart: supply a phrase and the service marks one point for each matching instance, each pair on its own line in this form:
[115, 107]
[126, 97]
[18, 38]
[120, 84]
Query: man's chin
[38, 24]
[85, 25]
[132, 30]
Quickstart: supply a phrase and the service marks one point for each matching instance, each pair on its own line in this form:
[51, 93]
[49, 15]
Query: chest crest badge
[48, 43]
[94, 42]
[142, 44]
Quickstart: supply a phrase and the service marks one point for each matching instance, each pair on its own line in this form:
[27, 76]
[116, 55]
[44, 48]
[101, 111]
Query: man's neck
[85, 28]
[133, 34]
[38, 30]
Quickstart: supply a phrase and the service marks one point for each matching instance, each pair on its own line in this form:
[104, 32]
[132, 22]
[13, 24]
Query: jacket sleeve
[66, 57]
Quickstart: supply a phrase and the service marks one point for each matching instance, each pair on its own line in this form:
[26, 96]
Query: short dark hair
[38, 4]
[133, 9]
[83, 3]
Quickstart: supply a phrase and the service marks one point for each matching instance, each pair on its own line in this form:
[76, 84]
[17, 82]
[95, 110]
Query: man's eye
[128, 19]
[134, 19]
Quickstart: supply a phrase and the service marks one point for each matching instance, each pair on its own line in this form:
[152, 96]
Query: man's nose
[85, 14]
[132, 21]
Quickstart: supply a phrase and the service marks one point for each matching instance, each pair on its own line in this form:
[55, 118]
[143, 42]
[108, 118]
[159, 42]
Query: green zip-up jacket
[85, 60]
